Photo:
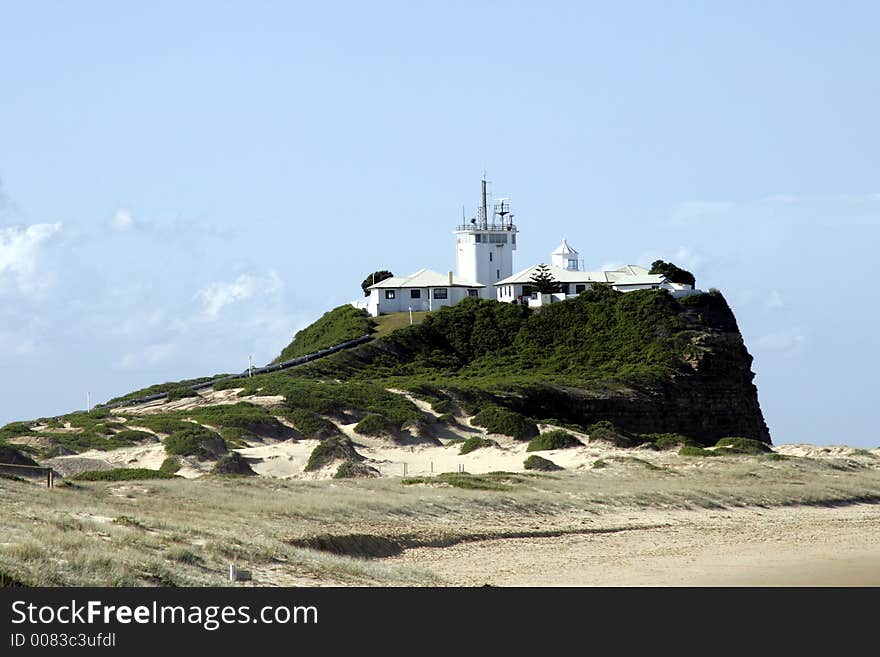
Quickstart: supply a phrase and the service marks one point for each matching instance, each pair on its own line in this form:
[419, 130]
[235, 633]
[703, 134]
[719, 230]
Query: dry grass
[186, 532]
[389, 323]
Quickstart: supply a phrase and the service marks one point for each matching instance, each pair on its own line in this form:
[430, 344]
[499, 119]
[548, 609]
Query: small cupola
[565, 257]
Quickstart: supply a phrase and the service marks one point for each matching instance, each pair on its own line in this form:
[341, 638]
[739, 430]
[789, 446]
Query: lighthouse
[484, 246]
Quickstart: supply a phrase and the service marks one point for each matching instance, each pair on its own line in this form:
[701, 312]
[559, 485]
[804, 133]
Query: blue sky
[184, 184]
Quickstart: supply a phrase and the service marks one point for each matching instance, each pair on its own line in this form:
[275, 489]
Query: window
[513, 239]
[563, 287]
[572, 264]
[440, 293]
[389, 294]
[497, 239]
[579, 288]
[497, 273]
[478, 237]
[490, 256]
[415, 294]
[472, 293]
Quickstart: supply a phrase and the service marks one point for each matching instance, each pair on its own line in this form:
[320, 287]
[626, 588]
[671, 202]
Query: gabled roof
[620, 276]
[642, 279]
[564, 249]
[424, 278]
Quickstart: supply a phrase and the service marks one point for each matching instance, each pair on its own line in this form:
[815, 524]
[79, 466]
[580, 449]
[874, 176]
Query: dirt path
[790, 546]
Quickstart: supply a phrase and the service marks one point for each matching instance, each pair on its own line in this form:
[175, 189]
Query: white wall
[472, 258]
[403, 300]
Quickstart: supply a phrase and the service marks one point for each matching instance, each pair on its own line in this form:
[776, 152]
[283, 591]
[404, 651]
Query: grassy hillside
[335, 326]
[601, 335]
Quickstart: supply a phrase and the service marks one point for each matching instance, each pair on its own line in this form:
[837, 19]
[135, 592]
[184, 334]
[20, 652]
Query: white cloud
[774, 300]
[788, 342]
[122, 221]
[218, 295]
[146, 357]
[19, 255]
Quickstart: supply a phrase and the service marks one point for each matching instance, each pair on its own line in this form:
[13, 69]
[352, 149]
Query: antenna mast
[485, 210]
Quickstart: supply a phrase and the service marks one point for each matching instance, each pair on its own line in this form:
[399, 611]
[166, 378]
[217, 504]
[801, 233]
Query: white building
[484, 268]
[424, 290]
[566, 270]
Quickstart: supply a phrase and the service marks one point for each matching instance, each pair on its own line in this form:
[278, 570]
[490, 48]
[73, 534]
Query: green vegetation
[476, 442]
[331, 449]
[670, 440]
[170, 465]
[345, 401]
[555, 439]
[605, 431]
[738, 445]
[162, 387]
[376, 277]
[195, 441]
[488, 481]
[335, 326]
[690, 450]
[122, 474]
[233, 464]
[311, 425]
[535, 462]
[181, 393]
[373, 425]
[672, 272]
[496, 419]
[353, 470]
[543, 281]
[386, 324]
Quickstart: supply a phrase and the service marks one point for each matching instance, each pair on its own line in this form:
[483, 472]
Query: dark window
[579, 288]
[563, 287]
[490, 256]
[415, 294]
[472, 293]
[389, 294]
[497, 273]
[477, 238]
[440, 293]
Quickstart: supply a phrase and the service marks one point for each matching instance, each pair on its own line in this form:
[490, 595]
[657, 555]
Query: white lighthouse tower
[484, 247]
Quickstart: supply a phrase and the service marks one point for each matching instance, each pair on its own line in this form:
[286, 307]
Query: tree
[543, 280]
[373, 278]
[673, 273]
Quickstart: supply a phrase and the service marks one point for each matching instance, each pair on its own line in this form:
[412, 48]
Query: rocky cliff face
[711, 396]
[642, 360]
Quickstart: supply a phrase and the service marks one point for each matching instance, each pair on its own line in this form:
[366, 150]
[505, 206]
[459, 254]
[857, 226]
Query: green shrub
[496, 419]
[476, 442]
[555, 439]
[335, 326]
[605, 431]
[181, 393]
[598, 464]
[352, 470]
[447, 418]
[311, 425]
[373, 425]
[669, 440]
[535, 462]
[170, 465]
[122, 474]
[331, 449]
[690, 450]
[737, 445]
[133, 436]
[233, 464]
[195, 441]
[488, 481]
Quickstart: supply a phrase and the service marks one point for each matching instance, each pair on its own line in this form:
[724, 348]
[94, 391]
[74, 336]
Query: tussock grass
[122, 533]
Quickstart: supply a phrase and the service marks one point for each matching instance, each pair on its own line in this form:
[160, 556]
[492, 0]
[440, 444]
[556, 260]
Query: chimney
[450, 278]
